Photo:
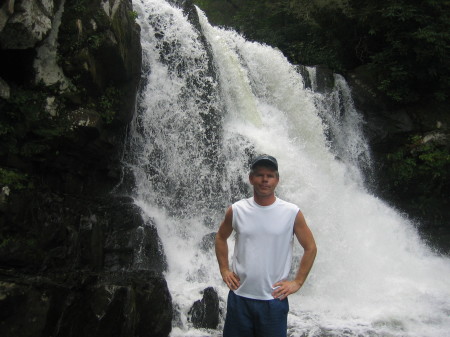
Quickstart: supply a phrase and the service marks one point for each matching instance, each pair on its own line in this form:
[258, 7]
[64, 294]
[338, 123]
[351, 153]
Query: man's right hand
[231, 279]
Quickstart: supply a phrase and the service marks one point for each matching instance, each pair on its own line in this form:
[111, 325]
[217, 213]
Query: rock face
[25, 23]
[411, 152]
[85, 305]
[77, 258]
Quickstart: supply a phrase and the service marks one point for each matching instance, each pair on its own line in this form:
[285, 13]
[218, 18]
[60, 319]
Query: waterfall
[344, 126]
[204, 109]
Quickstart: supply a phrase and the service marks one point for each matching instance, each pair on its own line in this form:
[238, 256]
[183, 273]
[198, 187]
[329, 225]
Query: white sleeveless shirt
[263, 245]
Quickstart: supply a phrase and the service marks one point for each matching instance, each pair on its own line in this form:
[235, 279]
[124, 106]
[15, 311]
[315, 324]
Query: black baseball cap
[264, 159]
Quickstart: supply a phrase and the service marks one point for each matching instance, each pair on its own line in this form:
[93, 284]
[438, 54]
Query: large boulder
[204, 313]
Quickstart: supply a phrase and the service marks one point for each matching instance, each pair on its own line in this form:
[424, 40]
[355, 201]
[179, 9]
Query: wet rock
[29, 23]
[148, 249]
[324, 79]
[205, 312]
[5, 91]
[47, 232]
[46, 64]
[85, 304]
[305, 75]
[22, 305]
[6, 9]
[107, 54]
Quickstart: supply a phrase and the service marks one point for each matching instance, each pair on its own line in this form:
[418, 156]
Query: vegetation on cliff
[95, 51]
[406, 43]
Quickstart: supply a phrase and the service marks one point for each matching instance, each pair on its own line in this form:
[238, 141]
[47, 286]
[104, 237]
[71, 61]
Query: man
[265, 226]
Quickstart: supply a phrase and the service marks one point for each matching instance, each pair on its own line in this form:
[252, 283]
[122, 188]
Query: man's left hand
[285, 288]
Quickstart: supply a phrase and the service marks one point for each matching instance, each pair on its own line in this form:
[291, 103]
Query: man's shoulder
[242, 202]
[287, 204]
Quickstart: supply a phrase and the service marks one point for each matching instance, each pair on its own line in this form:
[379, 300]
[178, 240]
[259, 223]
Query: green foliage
[133, 15]
[24, 109]
[5, 241]
[86, 31]
[29, 102]
[27, 130]
[13, 179]
[8, 241]
[108, 104]
[32, 149]
[219, 12]
[79, 6]
[295, 27]
[407, 43]
[418, 176]
[423, 165]
[94, 41]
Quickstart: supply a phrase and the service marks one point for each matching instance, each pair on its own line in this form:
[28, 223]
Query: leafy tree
[407, 43]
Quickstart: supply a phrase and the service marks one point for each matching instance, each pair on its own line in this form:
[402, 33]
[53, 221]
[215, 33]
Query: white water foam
[373, 275]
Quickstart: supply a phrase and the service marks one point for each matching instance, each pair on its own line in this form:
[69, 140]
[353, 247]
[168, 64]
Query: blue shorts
[247, 317]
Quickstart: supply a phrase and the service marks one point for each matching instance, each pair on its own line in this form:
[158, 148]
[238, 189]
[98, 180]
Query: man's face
[264, 181]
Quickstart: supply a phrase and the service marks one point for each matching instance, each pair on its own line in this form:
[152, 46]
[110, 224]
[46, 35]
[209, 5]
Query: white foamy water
[199, 120]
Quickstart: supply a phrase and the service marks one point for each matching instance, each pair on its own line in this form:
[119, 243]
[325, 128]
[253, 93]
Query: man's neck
[264, 201]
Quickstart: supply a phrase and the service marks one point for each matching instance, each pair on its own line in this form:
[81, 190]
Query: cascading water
[201, 114]
[344, 127]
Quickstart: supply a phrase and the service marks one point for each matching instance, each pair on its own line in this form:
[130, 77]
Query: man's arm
[224, 232]
[306, 240]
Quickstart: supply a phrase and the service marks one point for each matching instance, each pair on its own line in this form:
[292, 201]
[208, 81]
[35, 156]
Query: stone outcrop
[88, 305]
[205, 313]
[77, 257]
[24, 23]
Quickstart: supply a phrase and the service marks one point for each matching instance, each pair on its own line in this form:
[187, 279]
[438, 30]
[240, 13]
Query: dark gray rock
[24, 23]
[48, 232]
[22, 305]
[204, 313]
[76, 256]
[85, 304]
[324, 79]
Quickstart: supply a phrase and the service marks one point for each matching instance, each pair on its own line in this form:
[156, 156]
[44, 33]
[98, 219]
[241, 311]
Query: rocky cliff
[76, 256]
